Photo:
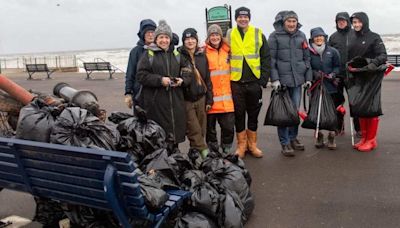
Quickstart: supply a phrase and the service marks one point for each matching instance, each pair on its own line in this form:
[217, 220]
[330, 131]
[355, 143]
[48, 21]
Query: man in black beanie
[250, 70]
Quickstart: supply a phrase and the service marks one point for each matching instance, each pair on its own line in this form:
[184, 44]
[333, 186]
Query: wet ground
[317, 188]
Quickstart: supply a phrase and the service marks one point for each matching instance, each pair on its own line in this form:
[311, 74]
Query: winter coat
[131, 85]
[165, 105]
[364, 86]
[366, 43]
[340, 40]
[196, 91]
[290, 56]
[328, 63]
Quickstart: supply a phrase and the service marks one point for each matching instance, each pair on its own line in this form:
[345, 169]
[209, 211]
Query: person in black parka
[340, 40]
[146, 37]
[163, 74]
[366, 69]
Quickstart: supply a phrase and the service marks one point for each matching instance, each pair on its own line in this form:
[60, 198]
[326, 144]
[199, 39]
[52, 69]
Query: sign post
[220, 15]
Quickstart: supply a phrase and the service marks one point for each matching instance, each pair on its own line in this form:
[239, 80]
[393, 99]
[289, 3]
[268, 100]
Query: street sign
[221, 15]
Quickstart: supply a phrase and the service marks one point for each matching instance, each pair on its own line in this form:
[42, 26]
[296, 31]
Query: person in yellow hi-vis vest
[250, 68]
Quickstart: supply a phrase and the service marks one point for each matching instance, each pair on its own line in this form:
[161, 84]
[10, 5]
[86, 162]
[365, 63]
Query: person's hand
[178, 81]
[128, 100]
[165, 81]
[307, 85]
[208, 108]
[317, 75]
[371, 67]
[276, 85]
[352, 69]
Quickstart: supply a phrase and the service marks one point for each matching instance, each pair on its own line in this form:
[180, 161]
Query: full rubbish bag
[78, 127]
[364, 89]
[195, 220]
[328, 117]
[281, 110]
[36, 121]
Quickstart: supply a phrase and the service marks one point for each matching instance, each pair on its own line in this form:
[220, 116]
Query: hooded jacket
[131, 85]
[290, 56]
[195, 91]
[367, 44]
[328, 62]
[340, 40]
[165, 105]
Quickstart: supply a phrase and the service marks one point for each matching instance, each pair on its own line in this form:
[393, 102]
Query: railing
[113, 66]
[56, 62]
[394, 60]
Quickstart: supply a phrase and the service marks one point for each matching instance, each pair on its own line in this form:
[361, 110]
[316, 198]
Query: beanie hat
[163, 28]
[214, 28]
[242, 11]
[290, 14]
[189, 32]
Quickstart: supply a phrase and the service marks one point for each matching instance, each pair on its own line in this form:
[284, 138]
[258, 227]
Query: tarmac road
[317, 188]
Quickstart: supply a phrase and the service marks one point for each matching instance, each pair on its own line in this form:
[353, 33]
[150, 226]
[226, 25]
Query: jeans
[286, 134]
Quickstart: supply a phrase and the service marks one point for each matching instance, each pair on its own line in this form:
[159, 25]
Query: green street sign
[218, 13]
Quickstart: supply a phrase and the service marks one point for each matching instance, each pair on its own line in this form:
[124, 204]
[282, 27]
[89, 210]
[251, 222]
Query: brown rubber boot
[252, 144]
[331, 141]
[241, 144]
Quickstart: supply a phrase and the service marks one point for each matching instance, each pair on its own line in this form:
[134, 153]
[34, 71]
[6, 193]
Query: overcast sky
[28, 26]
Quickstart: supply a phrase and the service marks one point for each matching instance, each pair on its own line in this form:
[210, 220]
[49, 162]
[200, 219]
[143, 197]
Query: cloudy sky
[28, 26]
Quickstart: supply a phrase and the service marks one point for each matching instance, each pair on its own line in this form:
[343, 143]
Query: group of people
[188, 89]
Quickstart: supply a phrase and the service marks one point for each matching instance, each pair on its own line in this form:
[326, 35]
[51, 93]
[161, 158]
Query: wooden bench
[98, 66]
[394, 60]
[33, 68]
[95, 178]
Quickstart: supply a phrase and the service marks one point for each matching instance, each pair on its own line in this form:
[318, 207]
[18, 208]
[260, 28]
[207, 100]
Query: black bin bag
[328, 119]
[281, 111]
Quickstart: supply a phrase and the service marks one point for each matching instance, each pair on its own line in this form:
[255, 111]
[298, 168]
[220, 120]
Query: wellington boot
[372, 131]
[252, 144]
[241, 144]
[363, 127]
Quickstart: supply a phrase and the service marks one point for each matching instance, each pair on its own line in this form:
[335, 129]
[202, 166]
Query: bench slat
[9, 167]
[69, 179]
[71, 198]
[135, 200]
[13, 185]
[78, 161]
[68, 188]
[10, 158]
[140, 212]
[61, 168]
[11, 177]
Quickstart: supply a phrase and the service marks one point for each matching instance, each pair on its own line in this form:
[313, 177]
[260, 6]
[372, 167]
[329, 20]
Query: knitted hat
[290, 14]
[189, 32]
[214, 28]
[163, 28]
[242, 11]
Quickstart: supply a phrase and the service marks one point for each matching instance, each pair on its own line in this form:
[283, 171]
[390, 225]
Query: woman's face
[190, 43]
[163, 41]
[319, 40]
[215, 39]
[357, 24]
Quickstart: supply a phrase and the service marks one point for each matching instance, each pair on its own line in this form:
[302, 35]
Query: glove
[317, 75]
[128, 100]
[276, 85]
[208, 108]
[352, 69]
[307, 85]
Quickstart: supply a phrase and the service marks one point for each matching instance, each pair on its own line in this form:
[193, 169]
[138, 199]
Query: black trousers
[341, 87]
[227, 123]
[247, 99]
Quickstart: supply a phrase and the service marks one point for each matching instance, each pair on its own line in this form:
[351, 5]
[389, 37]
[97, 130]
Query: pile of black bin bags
[220, 183]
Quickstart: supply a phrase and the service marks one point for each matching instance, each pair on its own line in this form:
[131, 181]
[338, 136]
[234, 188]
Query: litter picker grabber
[319, 108]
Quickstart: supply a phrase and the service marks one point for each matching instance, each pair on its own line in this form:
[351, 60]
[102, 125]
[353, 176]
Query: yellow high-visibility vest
[247, 48]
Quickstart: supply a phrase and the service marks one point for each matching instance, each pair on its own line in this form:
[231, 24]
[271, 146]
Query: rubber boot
[331, 141]
[320, 140]
[226, 148]
[372, 130]
[241, 144]
[204, 153]
[252, 144]
[363, 129]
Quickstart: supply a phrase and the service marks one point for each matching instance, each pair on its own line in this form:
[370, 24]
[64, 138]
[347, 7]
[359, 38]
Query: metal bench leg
[30, 76]
[111, 196]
